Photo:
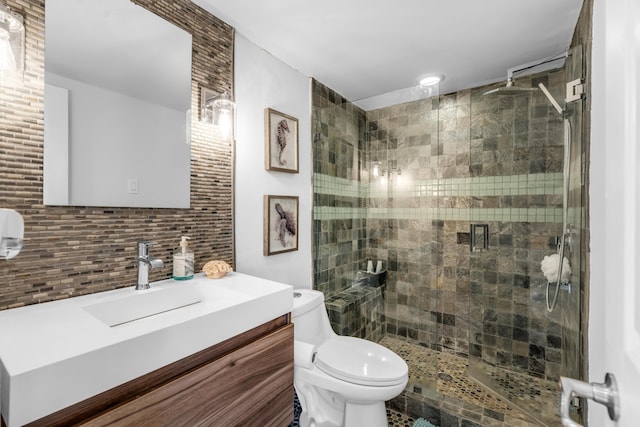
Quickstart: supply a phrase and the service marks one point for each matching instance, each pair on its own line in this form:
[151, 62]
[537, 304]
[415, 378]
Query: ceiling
[368, 50]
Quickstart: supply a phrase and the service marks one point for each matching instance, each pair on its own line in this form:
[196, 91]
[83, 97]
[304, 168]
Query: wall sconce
[376, 169]
[218, 109]
[387, 175]
[11, 42]
[384, 175]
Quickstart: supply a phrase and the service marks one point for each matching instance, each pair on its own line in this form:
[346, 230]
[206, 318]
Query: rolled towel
[304, 354]
[549, 267]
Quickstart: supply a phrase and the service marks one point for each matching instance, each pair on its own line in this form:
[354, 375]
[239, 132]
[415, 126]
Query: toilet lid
[360, 361]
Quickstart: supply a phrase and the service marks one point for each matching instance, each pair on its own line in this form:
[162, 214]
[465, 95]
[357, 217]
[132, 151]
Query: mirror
[117, 106]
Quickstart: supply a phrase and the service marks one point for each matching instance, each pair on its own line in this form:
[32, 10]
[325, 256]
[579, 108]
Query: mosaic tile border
[504, 186]
[553, 215]
[530, 184]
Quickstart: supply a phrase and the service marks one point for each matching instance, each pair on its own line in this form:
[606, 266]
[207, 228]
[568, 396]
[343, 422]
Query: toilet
[340, 381]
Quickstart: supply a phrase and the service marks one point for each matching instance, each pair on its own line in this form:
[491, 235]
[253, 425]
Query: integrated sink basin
[55, 354]
[141, 304]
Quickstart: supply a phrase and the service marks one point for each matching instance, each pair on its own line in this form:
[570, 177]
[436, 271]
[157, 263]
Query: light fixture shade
[214, 104]
[217, 109]
[11, 42]
[223, 103]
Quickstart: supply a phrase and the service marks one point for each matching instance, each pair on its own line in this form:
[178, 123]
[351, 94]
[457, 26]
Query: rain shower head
[509, 89]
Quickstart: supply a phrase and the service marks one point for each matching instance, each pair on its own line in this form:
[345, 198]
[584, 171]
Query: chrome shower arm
[523, 67]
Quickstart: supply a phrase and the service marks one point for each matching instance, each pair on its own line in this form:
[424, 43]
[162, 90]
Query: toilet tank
[309, 316]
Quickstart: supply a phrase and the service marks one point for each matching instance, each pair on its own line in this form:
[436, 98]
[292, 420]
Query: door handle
[605, 393]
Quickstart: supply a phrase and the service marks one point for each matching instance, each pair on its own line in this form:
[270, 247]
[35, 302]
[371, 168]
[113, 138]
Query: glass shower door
[517, 348]
[402, 147]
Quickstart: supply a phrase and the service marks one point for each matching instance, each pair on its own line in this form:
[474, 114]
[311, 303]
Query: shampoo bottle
[183, 261]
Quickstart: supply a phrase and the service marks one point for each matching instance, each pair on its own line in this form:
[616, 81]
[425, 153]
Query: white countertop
[55, 354]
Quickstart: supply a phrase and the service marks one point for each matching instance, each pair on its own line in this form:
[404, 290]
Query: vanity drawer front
[250, 386]
[245, 380]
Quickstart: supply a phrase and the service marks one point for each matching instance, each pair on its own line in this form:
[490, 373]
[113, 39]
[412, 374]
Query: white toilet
[340, 381]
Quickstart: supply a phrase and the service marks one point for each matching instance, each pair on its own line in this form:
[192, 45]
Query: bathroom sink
[58, 353]
[141, 304]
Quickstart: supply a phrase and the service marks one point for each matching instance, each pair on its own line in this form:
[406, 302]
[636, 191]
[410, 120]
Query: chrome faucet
[146, 263]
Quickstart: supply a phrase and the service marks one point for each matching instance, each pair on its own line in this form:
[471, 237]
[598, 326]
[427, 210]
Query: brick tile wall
[71, 251]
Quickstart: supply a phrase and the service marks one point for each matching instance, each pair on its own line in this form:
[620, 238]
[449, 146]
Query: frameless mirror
[117, 106]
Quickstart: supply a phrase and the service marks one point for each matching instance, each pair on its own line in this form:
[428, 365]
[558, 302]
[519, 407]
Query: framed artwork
[280, 224]
[280, 141]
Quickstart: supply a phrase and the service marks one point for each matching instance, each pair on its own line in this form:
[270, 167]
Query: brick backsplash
[70, 251]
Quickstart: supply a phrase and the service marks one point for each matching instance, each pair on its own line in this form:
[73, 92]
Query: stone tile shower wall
[492, 160]
[523, 138]
[448, 162]
[403, 142]
[71, 251]
[339, 204]
[340, 220]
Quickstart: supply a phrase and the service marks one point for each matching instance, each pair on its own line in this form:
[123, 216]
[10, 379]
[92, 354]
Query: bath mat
[421, 422]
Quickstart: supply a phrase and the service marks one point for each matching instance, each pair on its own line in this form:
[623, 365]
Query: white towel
[549, 267]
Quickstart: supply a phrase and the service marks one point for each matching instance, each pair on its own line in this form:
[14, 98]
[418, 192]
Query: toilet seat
[361, 362]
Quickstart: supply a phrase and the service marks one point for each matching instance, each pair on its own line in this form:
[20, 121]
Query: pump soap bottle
[183, 261]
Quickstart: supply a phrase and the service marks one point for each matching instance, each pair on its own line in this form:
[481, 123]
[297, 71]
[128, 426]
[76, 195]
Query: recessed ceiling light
[431, 79]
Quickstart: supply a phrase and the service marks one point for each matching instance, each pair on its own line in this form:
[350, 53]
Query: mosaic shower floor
[398, 419]
[443, 380]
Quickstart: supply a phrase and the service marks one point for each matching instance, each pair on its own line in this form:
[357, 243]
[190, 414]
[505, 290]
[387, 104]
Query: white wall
[598, 225]
[614, 300]
[263, 81]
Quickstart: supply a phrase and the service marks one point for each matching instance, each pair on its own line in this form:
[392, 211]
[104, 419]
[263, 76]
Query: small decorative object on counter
[216, 269]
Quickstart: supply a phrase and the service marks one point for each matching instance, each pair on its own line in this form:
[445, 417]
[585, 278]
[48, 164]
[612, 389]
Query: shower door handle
[605, 393]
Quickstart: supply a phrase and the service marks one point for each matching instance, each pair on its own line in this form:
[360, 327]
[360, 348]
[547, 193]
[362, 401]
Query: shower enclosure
[461, 197]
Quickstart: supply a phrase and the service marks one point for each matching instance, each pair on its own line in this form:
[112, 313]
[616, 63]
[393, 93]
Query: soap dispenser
[183, 261]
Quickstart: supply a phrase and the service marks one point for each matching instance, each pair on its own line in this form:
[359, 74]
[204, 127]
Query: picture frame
[281, 141]
[280, 224]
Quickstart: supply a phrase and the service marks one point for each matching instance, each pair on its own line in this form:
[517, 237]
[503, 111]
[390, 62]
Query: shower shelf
[372, 280]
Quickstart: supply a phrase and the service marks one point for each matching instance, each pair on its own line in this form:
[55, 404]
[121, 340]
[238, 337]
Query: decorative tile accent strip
[493, 214]
[520, 185]
[478, 186]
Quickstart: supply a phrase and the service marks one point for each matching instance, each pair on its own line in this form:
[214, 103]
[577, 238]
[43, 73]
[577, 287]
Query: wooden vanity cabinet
[244, 381]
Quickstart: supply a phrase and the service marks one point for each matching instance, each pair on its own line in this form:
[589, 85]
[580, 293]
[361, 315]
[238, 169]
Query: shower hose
[565, 208]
